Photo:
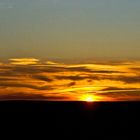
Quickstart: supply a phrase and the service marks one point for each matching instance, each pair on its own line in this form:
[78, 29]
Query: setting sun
[88, 98]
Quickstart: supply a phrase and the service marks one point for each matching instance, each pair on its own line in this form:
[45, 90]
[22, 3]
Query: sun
[88, 98]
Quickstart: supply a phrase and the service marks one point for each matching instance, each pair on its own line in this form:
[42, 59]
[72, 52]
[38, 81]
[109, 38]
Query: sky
[30, 78]
[65, 29]
[70, 50]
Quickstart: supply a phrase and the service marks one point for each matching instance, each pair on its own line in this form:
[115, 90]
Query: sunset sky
[69, 49]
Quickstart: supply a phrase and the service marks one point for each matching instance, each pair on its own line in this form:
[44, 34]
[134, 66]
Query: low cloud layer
[30, 78]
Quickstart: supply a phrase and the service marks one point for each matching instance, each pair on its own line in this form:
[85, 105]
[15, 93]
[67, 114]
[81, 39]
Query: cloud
[52, 63]
[129, 79]
[24, 61]
[25, 85]
[136, 69]
[133, 95]
[118, 89]
[71, 84]
[43, 78]
[73, 78]
[22, 96]
[85, 69]
[58, 80]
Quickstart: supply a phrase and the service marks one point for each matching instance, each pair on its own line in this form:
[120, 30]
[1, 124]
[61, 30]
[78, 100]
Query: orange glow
[88, 98]
[90, 82]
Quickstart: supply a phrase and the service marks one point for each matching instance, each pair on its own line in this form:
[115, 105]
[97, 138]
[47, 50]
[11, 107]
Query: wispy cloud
[28, 78]
[24, 61]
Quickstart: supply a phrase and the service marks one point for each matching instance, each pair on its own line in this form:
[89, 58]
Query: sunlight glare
[88, 98]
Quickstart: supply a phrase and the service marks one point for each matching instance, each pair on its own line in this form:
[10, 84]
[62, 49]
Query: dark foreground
[98, 118]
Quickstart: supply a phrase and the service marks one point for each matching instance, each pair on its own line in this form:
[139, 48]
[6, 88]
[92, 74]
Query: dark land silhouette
[90, 118]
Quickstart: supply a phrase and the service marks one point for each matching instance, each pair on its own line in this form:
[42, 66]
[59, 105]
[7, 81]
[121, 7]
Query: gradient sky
[36, 34]
[70, 29]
